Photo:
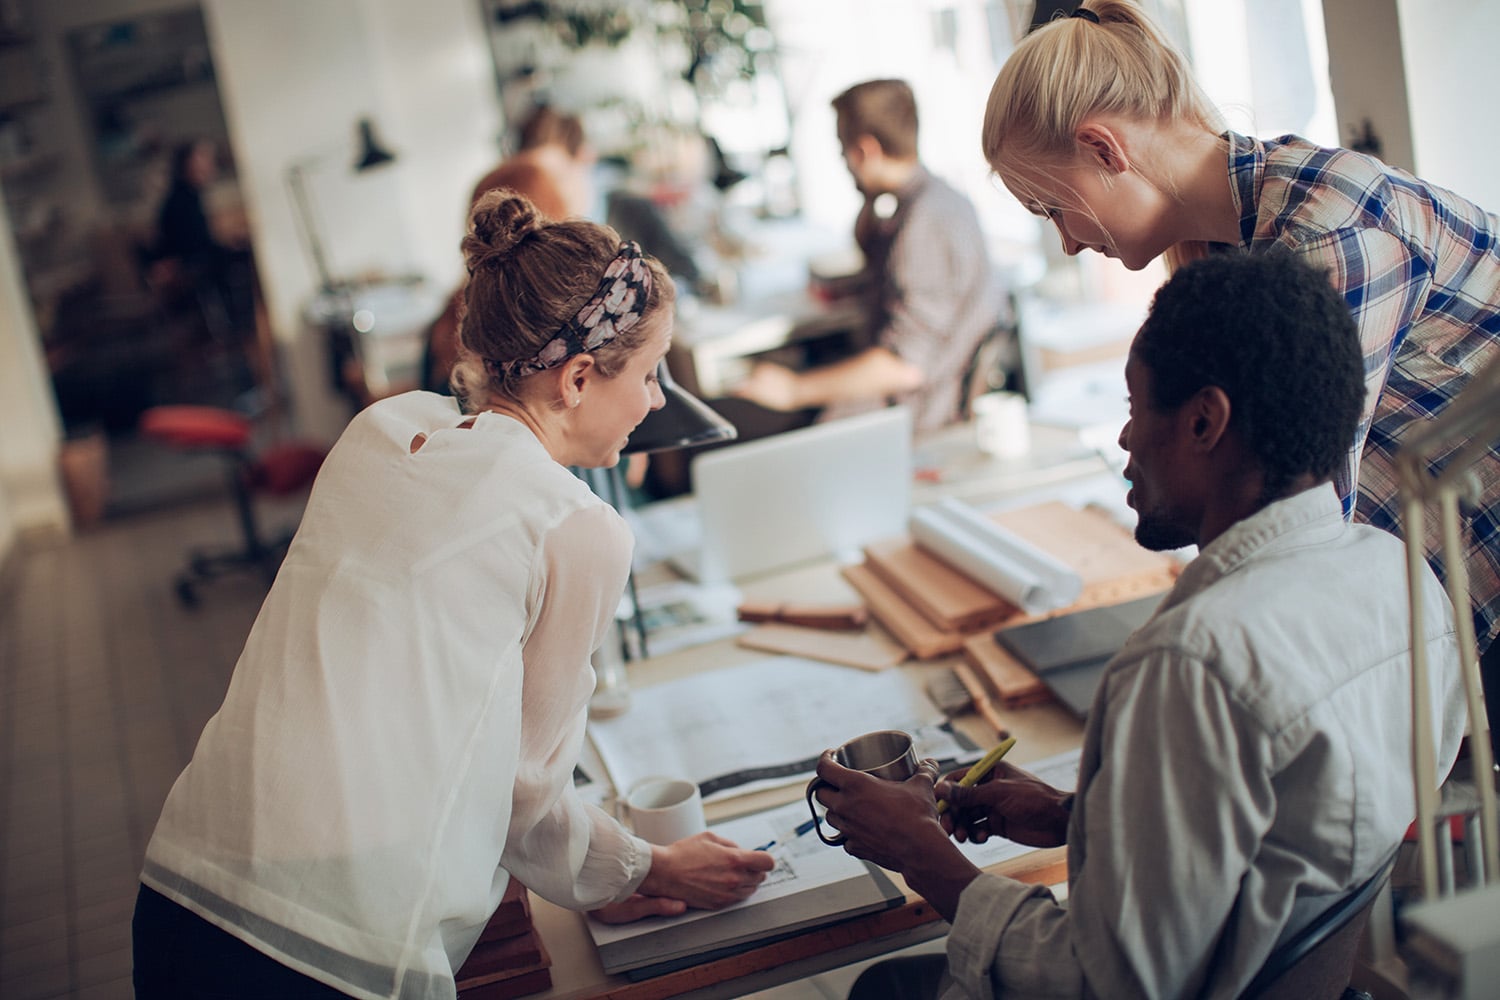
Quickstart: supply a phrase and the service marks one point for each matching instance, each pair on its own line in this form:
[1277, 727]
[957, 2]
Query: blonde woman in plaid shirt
[1096, 123]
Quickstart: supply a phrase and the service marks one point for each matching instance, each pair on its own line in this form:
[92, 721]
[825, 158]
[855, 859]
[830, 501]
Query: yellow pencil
[981, 767]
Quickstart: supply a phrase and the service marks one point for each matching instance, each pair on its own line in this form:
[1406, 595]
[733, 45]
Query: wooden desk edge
[1047, 866]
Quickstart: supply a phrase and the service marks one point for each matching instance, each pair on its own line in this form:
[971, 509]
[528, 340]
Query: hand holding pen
[1007, 802]
[980, 769]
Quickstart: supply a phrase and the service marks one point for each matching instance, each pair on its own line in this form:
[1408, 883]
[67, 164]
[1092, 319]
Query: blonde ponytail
[1073, 67]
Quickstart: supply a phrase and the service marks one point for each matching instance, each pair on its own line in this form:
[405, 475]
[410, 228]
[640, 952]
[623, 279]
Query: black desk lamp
[684, 422]
[333, 303]
[371, 154]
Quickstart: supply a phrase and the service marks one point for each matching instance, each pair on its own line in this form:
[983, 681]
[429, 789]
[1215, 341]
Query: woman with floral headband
[399, 735]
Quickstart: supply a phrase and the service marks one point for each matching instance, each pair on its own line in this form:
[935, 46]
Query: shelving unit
[47, 236]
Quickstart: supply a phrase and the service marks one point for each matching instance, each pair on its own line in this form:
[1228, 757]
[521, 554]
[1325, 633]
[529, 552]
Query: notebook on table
[1069, 652]
[819, 491]
[811, 885]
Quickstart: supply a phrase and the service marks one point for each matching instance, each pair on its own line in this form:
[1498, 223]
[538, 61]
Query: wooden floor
[105, 683]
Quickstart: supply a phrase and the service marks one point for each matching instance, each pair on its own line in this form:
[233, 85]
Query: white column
[31, 495]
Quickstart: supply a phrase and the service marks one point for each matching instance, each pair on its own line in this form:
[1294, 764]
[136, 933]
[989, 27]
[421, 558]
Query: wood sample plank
[924, 640]
[1013, 686]
[946, 597]
[870, 649]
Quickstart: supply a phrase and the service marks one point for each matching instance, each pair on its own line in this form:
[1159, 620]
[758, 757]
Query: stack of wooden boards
[933, 610]
[509, 960]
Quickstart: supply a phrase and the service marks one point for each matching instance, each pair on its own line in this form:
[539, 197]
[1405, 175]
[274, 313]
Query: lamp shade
[371, 152]
[684, 422]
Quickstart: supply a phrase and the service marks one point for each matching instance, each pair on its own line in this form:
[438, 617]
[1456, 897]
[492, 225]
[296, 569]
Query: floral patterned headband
[616, 306]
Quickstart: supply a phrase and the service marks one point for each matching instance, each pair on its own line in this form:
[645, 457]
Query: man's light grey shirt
[1246, 760]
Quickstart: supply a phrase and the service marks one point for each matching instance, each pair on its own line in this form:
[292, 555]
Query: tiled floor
[105, 683]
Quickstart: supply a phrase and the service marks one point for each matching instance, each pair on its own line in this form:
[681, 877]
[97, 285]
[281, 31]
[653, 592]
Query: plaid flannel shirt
[1420, 269]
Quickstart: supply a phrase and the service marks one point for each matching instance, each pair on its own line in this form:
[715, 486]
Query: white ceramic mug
[664, 810]
[1000, 424]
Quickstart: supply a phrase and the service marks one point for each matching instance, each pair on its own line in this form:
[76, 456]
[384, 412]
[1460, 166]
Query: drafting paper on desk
[812, 884]
[762, 724]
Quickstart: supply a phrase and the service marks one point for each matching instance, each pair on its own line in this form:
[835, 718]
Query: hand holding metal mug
[886, 753]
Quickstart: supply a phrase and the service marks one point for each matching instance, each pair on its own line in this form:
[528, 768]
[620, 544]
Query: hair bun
[500, 221]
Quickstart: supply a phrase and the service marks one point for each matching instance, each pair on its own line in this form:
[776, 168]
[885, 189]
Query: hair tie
[616, 306]
[1086, 14]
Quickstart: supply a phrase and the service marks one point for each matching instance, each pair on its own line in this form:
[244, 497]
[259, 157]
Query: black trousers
[181, 956]
[908, 977]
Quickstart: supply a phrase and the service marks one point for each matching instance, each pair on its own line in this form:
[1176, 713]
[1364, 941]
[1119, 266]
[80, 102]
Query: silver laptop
[820, 491]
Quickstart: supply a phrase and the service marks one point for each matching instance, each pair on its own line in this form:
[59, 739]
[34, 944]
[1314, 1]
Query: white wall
[1449, 50]
[30, 431]
[1369, 80]
[295, 78]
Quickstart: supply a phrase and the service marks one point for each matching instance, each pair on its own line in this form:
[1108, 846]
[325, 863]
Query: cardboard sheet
[870, 649]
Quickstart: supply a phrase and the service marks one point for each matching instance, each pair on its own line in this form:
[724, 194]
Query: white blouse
[400, 731]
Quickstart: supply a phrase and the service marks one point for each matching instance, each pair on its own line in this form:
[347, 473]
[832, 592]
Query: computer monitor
[819, 491]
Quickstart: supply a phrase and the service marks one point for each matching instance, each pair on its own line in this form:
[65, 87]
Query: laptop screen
[819, 491]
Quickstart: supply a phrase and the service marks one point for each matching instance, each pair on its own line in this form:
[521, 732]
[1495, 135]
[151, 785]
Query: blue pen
[801, 828]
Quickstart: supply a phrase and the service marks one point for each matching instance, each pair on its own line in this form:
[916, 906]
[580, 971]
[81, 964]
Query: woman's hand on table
[1009, 803]
[638, 907]
[705, 871]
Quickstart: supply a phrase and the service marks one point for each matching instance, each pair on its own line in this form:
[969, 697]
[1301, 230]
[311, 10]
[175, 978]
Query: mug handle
[838, 838]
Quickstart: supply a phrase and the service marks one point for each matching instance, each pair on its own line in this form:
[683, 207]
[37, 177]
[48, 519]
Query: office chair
[995, 365]
[276, 471]
[1318, 961]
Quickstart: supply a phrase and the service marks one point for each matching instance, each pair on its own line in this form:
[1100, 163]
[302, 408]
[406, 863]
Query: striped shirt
[1420, 269]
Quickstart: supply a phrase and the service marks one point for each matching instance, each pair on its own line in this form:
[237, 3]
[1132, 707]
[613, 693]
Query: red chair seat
[278, 470]
[196, 427]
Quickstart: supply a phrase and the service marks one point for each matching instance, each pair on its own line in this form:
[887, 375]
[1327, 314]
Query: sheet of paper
[762, 724]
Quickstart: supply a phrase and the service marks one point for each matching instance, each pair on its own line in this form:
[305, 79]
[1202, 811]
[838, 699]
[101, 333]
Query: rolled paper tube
[999, 559]
[955, 546]
[1062, 581]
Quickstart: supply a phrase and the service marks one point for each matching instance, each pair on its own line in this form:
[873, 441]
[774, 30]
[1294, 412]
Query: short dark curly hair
[1270, 331]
